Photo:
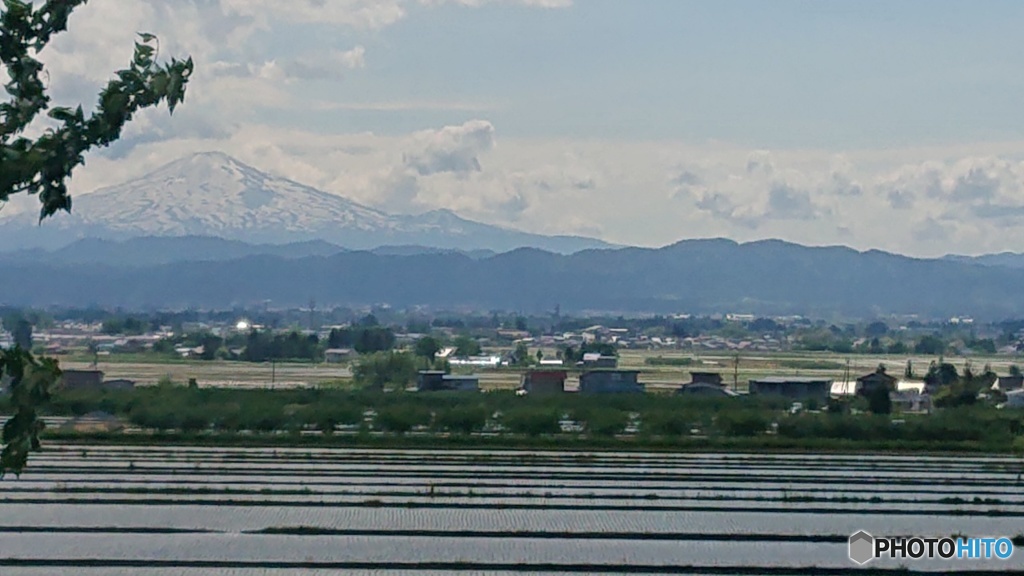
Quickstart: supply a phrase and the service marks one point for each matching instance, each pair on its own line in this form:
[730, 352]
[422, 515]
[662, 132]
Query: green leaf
[61, 113]
[43, 164]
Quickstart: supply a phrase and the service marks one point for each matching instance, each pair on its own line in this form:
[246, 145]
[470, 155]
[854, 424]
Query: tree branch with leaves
[43, 165]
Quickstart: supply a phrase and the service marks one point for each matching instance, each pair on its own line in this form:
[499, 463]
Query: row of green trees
[178, 408]
[929, 344]
[362, 339]
[263, 345]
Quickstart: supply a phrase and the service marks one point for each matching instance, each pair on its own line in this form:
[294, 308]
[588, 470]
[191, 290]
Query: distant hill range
[211, 194]
[696, 276]
[153, 250]
[1004, 259]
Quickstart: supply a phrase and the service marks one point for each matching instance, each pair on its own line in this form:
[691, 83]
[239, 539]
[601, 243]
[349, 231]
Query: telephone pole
[735, 373]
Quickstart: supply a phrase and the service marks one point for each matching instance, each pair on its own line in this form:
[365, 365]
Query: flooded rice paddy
[158, 511]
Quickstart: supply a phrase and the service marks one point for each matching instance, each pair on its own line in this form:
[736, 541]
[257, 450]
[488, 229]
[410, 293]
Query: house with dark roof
[461, 382]
[1008, 383]
[438, 381]
[792, 387]
[544, 381]
[610, 382]
[705, 384]
[81, 379]
[868, 383]
[706, 378]
[593, 360]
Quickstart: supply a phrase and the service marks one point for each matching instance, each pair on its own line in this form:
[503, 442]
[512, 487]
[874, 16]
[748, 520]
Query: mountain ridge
[702, 276]
[153, 250]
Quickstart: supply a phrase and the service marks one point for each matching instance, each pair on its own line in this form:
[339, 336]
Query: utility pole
[312, 313]
[735, 372]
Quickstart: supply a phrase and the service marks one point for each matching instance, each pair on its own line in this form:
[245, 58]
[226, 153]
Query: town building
[868, 383]
[610, 382]
[438, 381]
[461, 383]
[480, 361]
[337, 355]
[706, 378]
[544, 382]
[593, 360]
[1008, 383]
[705, 384]
[1014, 399]
[430, 380]
[911, 400]
[81, 379]
[92, 380]
[793, 387]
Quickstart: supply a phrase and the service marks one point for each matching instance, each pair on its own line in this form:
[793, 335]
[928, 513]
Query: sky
[894, 125]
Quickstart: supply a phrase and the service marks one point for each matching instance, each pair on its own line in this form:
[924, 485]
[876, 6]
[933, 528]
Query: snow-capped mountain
[212, 194]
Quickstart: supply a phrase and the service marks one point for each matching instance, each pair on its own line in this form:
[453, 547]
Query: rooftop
[790, 380]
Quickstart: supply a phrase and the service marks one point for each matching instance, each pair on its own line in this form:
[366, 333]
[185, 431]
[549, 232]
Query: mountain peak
[205, 165]
[213, 156]
[213, 194]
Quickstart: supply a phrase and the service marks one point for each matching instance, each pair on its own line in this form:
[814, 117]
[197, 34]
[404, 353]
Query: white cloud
[633, 192]
[354, 13]
[330, 66]
[455, 149]
[227, 39]
[964, 198]
[476, 3]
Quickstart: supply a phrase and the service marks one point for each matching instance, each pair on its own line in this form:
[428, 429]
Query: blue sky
[796, 73]
[876, 124]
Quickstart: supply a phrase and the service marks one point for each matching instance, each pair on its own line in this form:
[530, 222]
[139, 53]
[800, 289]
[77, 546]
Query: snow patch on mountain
[213, 194]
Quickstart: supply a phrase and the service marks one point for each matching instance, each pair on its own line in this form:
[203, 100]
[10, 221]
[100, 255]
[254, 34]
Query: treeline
[876, 334]
[362, 339]
[962, 388]
[632, 418]
[262, 346]
[254, 346]
[928, 344]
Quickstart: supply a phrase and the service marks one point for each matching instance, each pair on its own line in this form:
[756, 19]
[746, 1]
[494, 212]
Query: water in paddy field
[162, 511]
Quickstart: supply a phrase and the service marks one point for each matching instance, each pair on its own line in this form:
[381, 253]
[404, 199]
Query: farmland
[149, 510]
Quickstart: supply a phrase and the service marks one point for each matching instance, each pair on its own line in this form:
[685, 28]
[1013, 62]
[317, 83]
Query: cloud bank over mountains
[277, 84]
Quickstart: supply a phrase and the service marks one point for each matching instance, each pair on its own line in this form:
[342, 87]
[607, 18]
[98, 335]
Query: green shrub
[532, 421]
[602, 421]
[461, 419]
[401, 418]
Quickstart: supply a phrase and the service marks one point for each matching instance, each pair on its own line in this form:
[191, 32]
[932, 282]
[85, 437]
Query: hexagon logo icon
[862, 547]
